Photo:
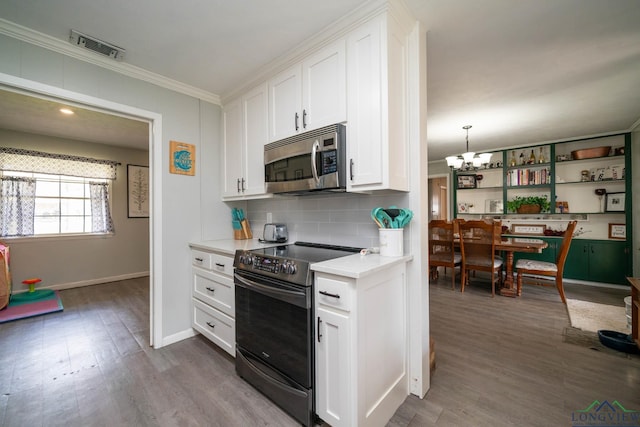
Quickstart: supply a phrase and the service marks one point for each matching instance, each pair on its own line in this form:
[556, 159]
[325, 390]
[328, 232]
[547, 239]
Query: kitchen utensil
[383, 217]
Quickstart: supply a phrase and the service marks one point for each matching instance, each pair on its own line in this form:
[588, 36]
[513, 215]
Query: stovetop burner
[289, 262]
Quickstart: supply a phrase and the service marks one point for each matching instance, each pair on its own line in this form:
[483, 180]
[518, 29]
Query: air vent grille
[96, 45]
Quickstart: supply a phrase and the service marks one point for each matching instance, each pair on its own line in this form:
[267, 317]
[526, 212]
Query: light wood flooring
[500, 362]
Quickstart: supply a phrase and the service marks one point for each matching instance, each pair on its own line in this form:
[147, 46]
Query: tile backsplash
[332, 218]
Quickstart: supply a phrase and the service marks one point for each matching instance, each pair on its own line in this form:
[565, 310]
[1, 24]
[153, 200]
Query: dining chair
[548, 269]
[478, 249]
[441, 249]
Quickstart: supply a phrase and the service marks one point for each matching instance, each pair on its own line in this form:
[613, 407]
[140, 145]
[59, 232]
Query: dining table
[511, 245]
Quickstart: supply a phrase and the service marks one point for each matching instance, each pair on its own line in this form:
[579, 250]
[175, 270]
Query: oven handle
[298, 298]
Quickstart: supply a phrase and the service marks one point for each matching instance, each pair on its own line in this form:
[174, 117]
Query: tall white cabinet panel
[285, 104]
[376, 106]
[309, 95]
[245, 134]
[361, 347]
[232, 149]
[324, 91]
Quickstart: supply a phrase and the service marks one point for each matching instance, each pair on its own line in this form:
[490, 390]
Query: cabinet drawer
[333, 293]
[214, 289]
[210, 261]
[215, 325]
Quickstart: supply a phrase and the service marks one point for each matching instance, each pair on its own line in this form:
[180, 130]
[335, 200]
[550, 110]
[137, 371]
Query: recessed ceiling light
[66, 111]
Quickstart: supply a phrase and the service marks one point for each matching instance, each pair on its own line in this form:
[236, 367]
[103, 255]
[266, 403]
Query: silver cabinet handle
[304, 119]
[296, 121]
[243, 185]
[210, 289]
[238, 185]
[219, 265]
[351, 169]
[199, 259]
[319, 334]
[211, 325]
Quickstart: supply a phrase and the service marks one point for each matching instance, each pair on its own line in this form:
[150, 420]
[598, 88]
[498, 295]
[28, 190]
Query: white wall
[176, 198]
[66, 262]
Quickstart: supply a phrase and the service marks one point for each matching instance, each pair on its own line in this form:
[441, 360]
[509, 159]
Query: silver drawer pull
[329, 294]
[211, 325]
[199, 259]
[210, 289]
[219, 265]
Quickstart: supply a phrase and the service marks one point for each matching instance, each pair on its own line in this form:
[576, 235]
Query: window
[52, 194]
[63, 204]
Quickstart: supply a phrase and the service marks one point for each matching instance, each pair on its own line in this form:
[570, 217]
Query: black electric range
[290, 262]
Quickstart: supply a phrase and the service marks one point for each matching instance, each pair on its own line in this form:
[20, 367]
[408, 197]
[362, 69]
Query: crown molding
[45, 41]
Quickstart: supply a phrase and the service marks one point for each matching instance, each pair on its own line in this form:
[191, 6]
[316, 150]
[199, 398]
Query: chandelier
[469, 159]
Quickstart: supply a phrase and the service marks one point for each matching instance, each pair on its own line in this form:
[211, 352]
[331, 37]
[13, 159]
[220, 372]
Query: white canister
[391, 241]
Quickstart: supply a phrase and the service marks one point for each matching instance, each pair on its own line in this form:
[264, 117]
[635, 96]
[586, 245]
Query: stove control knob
[292, 268]
[246, 259]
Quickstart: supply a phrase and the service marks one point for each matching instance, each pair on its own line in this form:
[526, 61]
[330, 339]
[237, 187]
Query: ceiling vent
[98, 46]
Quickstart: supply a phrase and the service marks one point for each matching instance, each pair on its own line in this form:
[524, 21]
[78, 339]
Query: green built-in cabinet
[599, 252]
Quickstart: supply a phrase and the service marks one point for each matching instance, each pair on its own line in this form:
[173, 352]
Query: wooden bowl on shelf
[590, 153]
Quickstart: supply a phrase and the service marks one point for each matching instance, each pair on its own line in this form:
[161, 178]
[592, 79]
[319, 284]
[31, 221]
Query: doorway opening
[439, 201]
[153, 123]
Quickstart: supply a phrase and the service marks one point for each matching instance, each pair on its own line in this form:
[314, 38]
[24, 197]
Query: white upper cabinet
[324, 98]
[376, 106]
[245, 135]
[310, 94]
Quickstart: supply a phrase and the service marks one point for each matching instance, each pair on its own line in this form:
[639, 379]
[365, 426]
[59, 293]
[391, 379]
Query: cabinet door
[364, 105]
[333, 379]
[324, 98]
[232, 149]
[254, 104]
[576, 264]
[285, 100]
[608, 262]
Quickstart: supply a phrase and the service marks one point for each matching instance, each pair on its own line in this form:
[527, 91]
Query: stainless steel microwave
[307, 162]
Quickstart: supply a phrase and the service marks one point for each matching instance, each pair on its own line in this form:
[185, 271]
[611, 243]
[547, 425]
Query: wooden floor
[500, 361]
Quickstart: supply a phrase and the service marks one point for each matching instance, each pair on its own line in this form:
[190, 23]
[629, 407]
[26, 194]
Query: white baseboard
[90, 282]
[183, 335]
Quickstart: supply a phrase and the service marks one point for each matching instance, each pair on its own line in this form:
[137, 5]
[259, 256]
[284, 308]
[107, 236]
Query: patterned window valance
[19, 160]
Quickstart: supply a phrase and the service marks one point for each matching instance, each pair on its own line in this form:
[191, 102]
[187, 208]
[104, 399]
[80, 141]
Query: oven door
[274, 322]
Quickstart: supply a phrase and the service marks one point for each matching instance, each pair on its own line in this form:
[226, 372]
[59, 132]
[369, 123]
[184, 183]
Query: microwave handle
[314, 153]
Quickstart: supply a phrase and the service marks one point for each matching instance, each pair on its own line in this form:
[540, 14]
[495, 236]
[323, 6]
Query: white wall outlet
[269, 217]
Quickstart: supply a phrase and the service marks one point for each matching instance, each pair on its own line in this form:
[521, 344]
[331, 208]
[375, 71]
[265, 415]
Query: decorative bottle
[541, 156]
[532, 158]
[512, 161]
[522, 158]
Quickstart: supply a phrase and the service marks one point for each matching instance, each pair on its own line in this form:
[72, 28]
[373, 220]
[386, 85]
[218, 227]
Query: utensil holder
[244, 232]
[391, 241]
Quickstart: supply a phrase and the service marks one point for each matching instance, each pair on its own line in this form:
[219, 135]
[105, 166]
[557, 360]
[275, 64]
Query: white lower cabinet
[361, 347]
[213, 298]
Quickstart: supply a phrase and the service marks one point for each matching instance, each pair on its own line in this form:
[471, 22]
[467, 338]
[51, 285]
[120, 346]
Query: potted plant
[529, 204]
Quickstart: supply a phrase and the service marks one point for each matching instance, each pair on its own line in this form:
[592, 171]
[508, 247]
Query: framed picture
[562, 207]
[137, 191]
[614, 202]
[467, 181]
[182, 158]
[537, 229]
[617, 231]
[493, 206]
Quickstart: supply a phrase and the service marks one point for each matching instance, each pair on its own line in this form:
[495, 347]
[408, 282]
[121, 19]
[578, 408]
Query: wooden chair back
[478, 248]
[564, 246]
[442, 251]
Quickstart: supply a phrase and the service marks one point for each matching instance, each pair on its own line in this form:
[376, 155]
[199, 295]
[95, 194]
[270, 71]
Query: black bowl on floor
[618, 341]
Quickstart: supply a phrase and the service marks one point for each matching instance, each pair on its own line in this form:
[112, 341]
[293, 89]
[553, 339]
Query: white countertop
[229, 246]
[358, 266]
[355, 266]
